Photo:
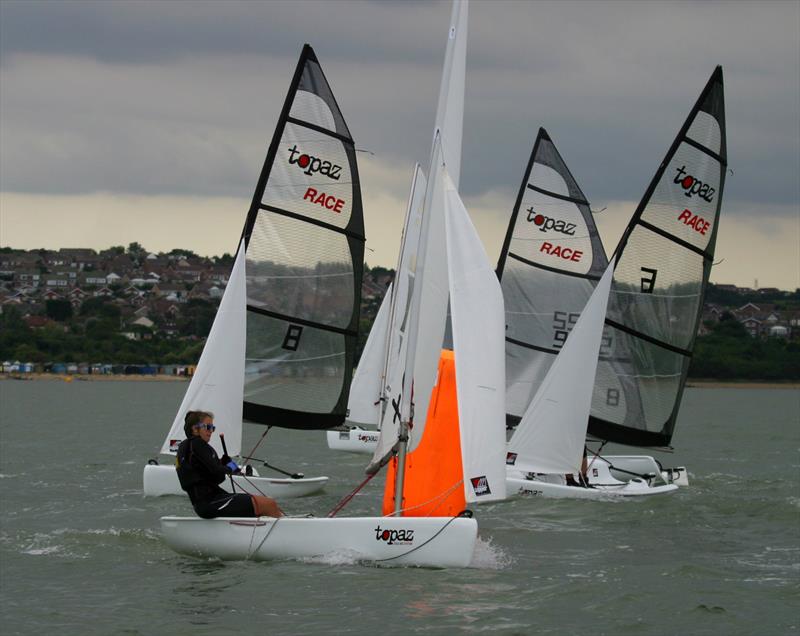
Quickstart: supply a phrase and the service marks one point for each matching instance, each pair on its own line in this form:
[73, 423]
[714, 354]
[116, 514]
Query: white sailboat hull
[604, 484]
[415, 541]
[159, 480]
[353, 440]
[520, 486]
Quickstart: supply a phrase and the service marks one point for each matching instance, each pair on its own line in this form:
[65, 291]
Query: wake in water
[75, 544]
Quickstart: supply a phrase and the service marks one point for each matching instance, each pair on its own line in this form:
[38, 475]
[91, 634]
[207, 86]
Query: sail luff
[542, 134]
[306, 54]
[716, 78]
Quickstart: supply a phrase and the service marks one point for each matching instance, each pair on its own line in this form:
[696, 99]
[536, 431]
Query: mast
[428, 308]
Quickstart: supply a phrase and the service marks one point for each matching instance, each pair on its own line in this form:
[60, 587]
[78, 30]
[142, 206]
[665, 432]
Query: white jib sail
[551, 436]
[476, 307]
[218, 381]
[364, 405]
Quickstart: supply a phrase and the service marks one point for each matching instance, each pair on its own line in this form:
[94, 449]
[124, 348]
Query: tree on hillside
[59, 310]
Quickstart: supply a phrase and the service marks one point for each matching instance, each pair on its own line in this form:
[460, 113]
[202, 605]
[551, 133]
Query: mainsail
[551, 261]
[663, 263]
[305, 246]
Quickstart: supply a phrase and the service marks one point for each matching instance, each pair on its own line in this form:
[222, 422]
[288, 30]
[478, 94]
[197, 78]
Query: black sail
[663, 263]
[305, 252]
[551, 260]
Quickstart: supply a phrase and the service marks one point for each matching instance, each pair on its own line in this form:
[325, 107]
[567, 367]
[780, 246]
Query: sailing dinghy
[446, 238]
[303, 245]
[551, 260]
[218, 386]
[664, 260]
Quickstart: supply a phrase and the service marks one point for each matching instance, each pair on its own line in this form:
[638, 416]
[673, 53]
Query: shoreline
[740, 384]
[111, 377]
[98, 377]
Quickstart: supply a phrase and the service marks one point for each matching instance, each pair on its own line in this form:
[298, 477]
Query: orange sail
[433, 477]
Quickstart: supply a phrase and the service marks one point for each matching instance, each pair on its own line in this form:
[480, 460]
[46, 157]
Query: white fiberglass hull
[417, 541]
[604, 484]
[520, 486]
[353, 440]
[161, 480]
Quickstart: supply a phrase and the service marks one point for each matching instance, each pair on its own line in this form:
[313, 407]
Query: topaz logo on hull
[311, 165]
[692, 186]
[392, 537]
[480, 485]
[546, 223]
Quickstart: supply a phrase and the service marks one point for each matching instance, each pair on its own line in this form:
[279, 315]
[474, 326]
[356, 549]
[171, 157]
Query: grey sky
[181, 98]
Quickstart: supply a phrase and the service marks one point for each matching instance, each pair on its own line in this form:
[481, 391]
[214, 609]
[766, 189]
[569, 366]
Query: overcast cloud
[180, 99]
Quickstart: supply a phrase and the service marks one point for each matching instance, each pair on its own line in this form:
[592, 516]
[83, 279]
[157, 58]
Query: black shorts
[227, 505]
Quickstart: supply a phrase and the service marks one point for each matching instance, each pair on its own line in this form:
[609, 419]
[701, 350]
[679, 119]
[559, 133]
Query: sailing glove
[232, 465]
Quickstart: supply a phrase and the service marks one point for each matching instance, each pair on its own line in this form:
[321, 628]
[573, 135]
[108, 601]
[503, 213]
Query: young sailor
[200, 471]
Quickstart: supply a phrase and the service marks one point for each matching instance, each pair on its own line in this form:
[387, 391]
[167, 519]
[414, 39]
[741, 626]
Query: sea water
[80, 550]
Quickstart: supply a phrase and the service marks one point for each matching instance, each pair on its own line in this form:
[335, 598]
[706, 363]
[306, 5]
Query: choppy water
[80, 551]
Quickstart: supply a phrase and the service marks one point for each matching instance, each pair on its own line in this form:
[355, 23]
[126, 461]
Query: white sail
[377, 367]
[476, 305]
[364, 404]
[429, 304]
[402, 290]
[218, 380]
[551, 436]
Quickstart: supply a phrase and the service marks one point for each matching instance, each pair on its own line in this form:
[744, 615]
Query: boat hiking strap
[346, 499]
[258, 443]
[442, 496]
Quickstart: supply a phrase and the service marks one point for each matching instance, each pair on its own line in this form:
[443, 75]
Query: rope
[346, 499]
[442, 496]
[266, 536]
[258, 443]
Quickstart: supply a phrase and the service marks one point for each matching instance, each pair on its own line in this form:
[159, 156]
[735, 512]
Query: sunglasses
[208, 427]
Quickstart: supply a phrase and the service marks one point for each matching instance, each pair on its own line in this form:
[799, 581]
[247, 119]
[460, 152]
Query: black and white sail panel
[305, 236]
[551, 261]
[663, 263]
